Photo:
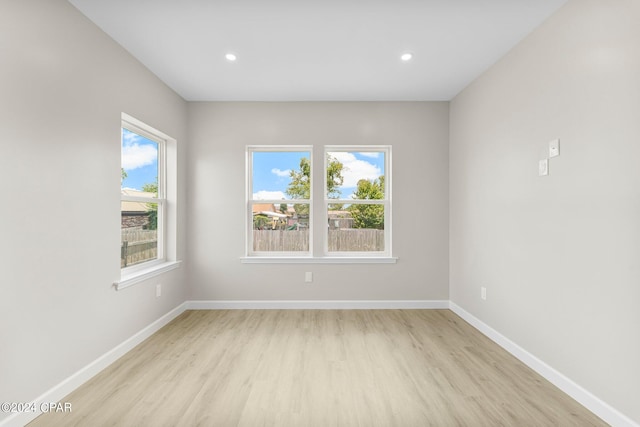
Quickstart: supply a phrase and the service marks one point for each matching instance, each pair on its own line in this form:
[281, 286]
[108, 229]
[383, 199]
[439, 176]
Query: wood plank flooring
[319, 368]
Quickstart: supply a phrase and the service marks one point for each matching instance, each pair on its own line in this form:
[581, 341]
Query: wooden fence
[356, 240]
[281, 240]
[347, 240]
[138, 246]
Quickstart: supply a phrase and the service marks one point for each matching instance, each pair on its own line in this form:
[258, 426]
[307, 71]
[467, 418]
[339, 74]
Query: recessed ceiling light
[230, 57]
[406, 56]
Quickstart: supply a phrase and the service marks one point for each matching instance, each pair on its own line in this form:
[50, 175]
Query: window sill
[318, 260]
[138, 276]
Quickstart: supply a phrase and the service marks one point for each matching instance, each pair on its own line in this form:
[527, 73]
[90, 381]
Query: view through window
[356, 202]
[280, 200]
[142, 198]
[355, 193]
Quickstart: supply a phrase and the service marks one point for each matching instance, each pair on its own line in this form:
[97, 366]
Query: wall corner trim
[600, 408]
[58, 392]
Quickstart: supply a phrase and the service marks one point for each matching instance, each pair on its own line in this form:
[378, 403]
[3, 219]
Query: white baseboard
[318, 305]
[58, 392]
[584, 397]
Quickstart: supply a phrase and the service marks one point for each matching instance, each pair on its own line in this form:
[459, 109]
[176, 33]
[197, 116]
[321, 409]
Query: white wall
[63, 85]
[219, 133]
[559, 255]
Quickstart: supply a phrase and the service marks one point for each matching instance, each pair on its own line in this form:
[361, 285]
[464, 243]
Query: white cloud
[355, 169]
[280, 172]
[269, 195]
[136, 155]
[371, 154]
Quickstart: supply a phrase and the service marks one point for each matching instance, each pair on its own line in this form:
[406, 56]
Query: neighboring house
[135, 215]
[340, 219]
[263, 208]
[268, 216]
[274, 218]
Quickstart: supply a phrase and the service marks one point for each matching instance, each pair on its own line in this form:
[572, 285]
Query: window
[357, 201]
[279, 201]
[342, 215]
[143, 202]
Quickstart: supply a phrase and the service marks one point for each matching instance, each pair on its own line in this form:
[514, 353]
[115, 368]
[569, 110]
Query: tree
[300, 185]
[368, 215]
[123, 174]
[260, 221]
[334, 177]
[151, 188]
[153, 207]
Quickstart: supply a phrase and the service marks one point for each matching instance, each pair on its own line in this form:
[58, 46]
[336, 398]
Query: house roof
[263, 207]
[132, 207]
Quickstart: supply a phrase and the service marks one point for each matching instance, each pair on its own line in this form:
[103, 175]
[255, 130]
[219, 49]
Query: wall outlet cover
[543, 167]
[554, 148]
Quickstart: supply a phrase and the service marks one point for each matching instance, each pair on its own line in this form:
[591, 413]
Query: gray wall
[559, 255]
[63, 85]
[219, 133]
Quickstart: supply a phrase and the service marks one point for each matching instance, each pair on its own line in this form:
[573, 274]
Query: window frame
[386, 202]
[318, 210]
[166, 255]
[250, 149]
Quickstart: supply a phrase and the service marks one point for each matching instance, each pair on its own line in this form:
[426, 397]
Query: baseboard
[58, 392]
[602, 409]
[318, 305]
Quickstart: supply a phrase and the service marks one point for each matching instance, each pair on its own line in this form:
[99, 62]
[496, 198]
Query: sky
[271, 171]
[139, 160]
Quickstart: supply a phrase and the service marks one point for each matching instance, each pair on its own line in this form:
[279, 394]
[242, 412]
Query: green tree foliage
[300, 185]
[151, 188]
[261, 221]
[153, 207]
[368, 216]
[334, 177]
[123, 174]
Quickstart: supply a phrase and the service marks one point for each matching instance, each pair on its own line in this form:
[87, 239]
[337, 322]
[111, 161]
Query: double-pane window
[347, 213]
[279, 208]
[357, 201]
[143, 200]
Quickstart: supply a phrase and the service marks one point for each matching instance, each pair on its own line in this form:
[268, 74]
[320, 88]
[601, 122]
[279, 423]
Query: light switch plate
[554, 148]
[543, 167]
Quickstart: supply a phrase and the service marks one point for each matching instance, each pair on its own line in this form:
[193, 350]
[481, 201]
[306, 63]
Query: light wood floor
[319, 368]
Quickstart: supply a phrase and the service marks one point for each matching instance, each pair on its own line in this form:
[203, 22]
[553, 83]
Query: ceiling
[317, 50]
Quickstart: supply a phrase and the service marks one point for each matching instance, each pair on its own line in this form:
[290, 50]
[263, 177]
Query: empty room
[320, 213]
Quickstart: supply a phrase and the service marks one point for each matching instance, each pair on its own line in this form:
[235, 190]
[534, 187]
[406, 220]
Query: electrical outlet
[483, 293]
[554, 148]
[308, 277]
[543, 167]
[158, 290]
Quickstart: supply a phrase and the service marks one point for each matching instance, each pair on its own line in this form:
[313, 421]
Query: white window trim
[350, 259]
[314, 256]
[151, 269]
[250, 149]
[166, 260]
[386, 202]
